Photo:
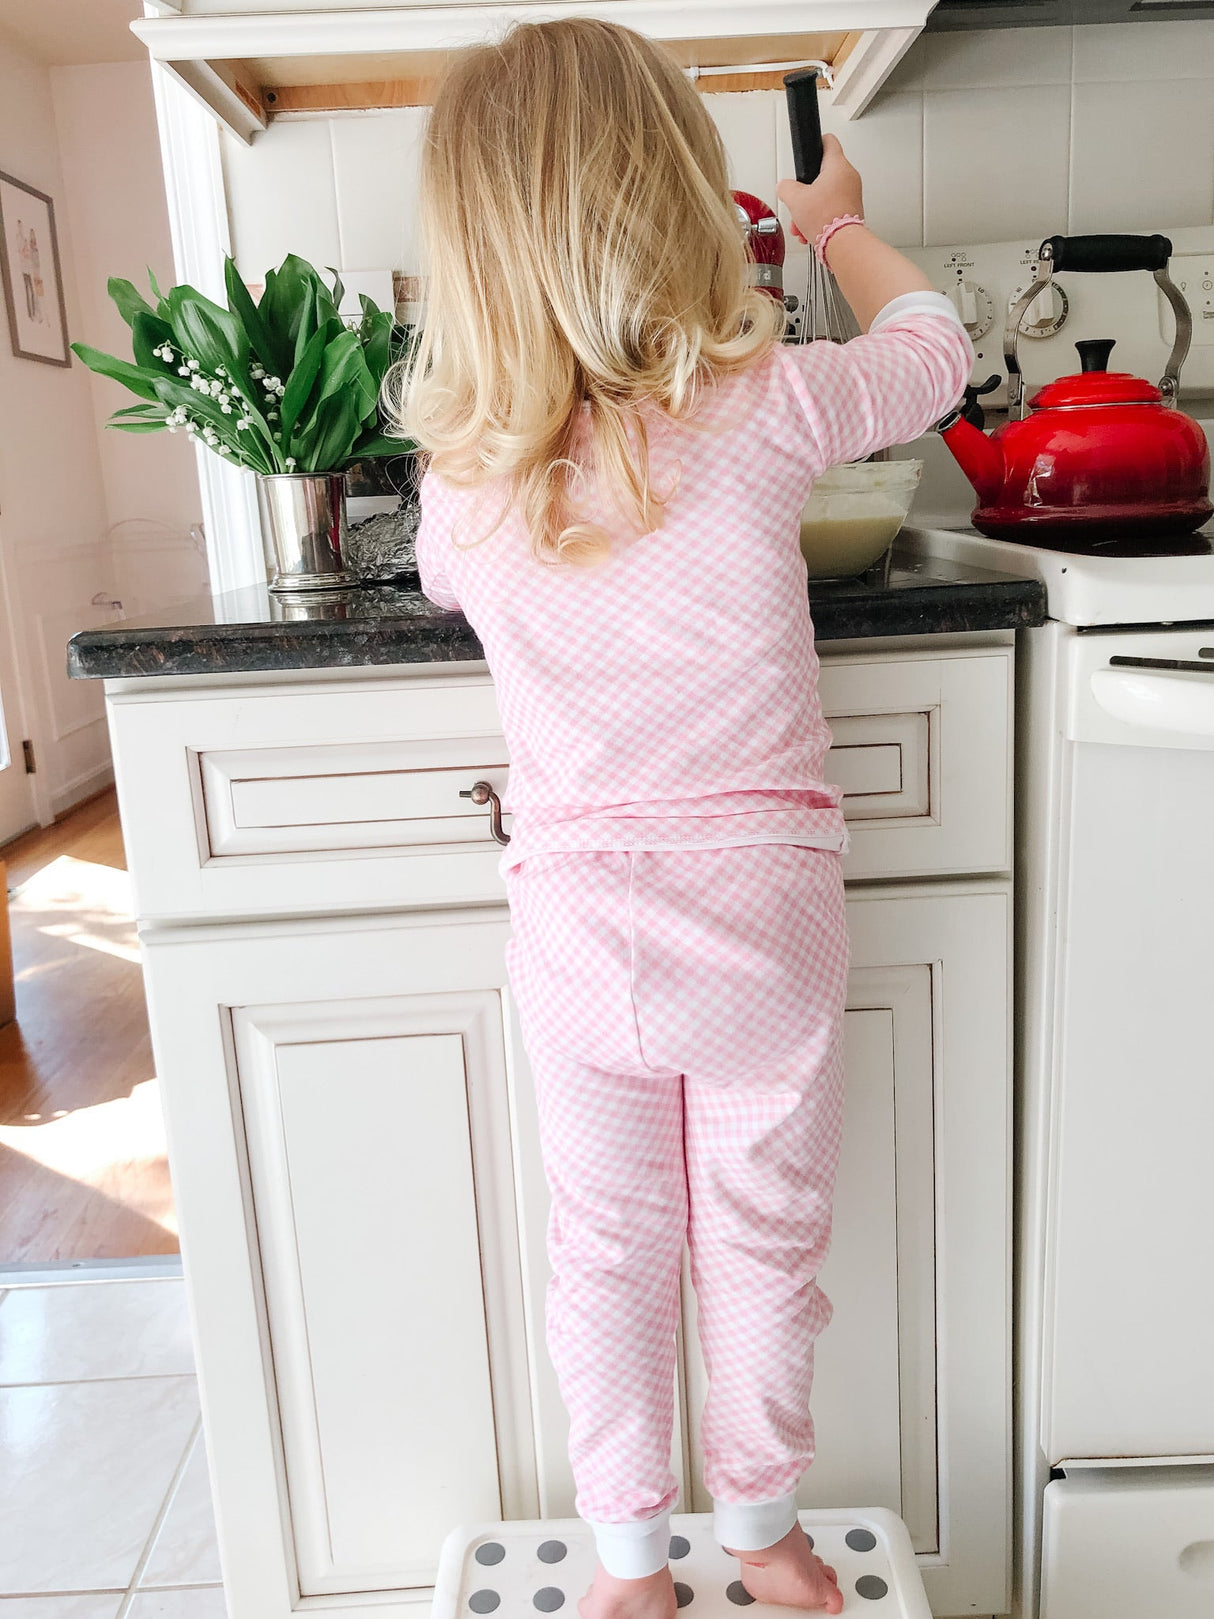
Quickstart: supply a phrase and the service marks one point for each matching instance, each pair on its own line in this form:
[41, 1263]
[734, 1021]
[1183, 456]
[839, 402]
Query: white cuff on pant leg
[630, 1551]
[751, 1526]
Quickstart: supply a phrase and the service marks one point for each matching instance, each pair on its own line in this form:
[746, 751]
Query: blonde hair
[586, 265]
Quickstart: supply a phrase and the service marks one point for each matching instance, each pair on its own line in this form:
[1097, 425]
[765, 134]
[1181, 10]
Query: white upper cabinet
[248, 62]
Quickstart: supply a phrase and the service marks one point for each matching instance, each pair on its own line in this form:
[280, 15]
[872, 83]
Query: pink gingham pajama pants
[682, 1013]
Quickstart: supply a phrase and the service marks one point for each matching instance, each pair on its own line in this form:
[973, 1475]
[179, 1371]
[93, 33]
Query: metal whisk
[827, 312]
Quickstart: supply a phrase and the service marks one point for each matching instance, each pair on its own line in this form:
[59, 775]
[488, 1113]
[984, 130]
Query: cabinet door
[364, 1349]
[912, 1379]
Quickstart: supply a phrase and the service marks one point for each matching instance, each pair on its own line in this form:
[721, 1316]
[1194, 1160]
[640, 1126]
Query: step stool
[523, 1568]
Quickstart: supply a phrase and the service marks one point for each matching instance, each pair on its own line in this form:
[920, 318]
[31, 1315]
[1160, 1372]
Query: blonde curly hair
[586, 268]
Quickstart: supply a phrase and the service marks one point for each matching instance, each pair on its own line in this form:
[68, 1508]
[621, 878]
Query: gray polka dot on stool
[682, 1594]
[871, 1586]
[549, 1599]
[491, 1552]
[679, 1546]
[551, 1551]
[737, 1593]
[860, 1540]
[483, 1601]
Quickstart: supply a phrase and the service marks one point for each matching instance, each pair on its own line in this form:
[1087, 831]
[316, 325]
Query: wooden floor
[83, 1173]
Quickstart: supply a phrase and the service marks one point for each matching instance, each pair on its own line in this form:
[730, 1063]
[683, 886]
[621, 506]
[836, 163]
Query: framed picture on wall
[33, 284]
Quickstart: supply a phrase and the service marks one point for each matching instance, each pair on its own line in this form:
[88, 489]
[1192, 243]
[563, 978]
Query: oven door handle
[1182, 703]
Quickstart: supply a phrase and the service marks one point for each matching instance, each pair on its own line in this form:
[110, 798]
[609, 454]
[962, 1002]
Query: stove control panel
[974, 304]
[1193, 273]
[984, 280]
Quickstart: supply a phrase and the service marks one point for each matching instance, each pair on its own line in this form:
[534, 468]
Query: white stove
[1090, 591]
[1115, 1076]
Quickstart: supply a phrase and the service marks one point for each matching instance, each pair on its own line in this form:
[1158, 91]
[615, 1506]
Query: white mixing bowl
[853, 514]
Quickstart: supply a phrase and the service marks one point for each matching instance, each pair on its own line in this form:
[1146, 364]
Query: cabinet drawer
[352, 796]
[325, 796]
[340, 796]
[923, 752]
[1134, 1541]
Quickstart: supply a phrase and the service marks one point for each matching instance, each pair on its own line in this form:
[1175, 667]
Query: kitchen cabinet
[907, 1408]
[355, 1152]
[352, 1086]
[251, 62]
[388, 1156]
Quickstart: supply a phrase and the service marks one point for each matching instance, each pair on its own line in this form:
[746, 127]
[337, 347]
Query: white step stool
[519, 1569]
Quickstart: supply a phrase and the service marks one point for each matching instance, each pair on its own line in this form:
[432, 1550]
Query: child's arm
[911, 363]
[870, 273]
[435, 525]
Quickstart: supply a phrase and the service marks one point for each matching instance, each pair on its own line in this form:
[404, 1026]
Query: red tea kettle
[1104, 455]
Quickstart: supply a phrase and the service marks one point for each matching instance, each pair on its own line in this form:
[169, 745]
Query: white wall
[84, 512]
[978, 137]
[52, 502]
[114, 198]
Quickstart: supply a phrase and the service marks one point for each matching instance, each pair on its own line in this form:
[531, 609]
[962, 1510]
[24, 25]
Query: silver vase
[303, 529]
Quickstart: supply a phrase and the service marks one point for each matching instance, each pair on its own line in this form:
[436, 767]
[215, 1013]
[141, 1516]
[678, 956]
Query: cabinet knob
[481, 793]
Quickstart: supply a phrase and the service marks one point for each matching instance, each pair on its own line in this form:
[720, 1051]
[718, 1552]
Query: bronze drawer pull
[481, 793]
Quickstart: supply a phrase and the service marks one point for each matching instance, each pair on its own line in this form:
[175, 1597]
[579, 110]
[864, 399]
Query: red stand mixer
[764, 242]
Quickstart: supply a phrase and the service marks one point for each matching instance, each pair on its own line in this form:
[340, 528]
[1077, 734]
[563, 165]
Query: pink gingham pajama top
[668, 699]
[678, 954]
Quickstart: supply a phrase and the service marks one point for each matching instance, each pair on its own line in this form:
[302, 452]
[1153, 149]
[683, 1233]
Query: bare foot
[790, 1575]
[649, 1598]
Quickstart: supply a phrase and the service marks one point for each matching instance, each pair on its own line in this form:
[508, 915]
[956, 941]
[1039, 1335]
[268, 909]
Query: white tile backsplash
[979, 136]
[1144, 50]
[1142, 156]
[747, 125]
[376, 165]
[995, 163]
[1000, 58]
[281, 197]
[886, 145]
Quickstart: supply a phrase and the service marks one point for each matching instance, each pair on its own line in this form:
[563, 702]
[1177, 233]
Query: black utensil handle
[1105, 254]
[805, 124]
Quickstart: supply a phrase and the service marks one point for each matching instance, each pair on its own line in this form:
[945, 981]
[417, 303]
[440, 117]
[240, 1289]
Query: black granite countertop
[248, 630]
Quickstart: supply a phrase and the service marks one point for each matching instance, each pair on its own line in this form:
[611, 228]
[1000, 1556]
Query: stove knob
[974, 305]
[1046, 314]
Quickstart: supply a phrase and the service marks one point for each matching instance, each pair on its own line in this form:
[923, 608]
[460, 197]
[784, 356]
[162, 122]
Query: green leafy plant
[281, 385]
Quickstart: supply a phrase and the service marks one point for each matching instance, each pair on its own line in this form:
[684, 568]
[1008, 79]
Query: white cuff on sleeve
[915, 303]
[751, 1526]
[630, 1551]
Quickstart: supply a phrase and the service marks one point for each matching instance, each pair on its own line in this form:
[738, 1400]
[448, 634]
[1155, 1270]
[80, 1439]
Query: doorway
[17, 811]
[83, 1168]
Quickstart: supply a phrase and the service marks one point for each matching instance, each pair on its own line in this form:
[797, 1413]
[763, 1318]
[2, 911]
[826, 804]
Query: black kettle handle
[804, 124]
[1100, 255]
[1105, 255]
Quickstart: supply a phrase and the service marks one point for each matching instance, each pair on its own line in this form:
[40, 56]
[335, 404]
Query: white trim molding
[872, 60]
[198, 226]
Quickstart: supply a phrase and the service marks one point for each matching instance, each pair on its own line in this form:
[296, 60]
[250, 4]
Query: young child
[619, 452]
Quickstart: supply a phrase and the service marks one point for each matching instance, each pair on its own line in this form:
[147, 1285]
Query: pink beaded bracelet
[825, 234]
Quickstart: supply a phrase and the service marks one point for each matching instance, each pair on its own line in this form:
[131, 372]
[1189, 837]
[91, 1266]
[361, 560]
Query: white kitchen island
[351, 1126]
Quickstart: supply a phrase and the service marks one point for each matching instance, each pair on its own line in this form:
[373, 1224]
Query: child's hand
[836, 191]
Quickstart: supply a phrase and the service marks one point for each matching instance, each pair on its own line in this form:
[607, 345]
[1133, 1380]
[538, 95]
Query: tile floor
[105, 1506]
